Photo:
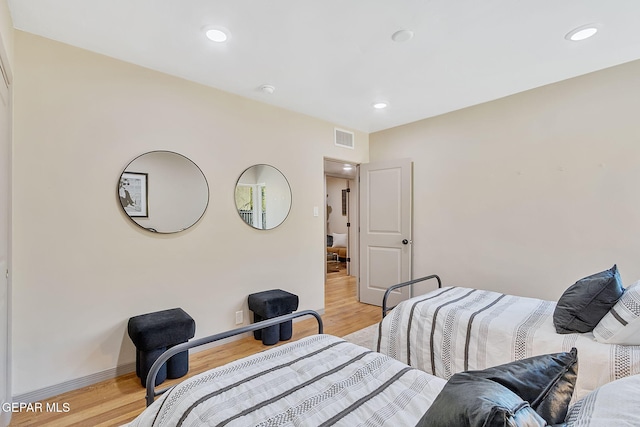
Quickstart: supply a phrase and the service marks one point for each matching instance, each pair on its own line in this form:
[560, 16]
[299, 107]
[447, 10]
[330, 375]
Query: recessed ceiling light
[402, 36]
[217, 34]
[380, 105]
[581, 33]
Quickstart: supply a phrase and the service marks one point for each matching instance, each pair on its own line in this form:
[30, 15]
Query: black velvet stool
[153, 334]
[270, 304]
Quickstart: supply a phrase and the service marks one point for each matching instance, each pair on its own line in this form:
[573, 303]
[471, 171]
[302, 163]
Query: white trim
[5, 100]
[56, 389]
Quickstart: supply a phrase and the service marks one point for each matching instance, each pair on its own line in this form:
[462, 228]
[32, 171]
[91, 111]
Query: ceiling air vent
[344, 138]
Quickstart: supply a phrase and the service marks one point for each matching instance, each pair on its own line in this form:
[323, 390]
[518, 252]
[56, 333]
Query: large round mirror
[263, 197]
[163, 192]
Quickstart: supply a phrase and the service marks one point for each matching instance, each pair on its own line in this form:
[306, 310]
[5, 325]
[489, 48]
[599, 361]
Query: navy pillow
[586, 302]
[534, 392]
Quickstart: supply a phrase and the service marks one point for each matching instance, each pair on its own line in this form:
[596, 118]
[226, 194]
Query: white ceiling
[332, 59]
[340, 169]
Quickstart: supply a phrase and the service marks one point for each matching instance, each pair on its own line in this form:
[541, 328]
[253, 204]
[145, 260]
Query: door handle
[405, 241]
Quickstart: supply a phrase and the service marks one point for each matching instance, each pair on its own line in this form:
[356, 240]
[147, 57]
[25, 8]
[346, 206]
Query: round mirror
[163, 192]
[263, 197]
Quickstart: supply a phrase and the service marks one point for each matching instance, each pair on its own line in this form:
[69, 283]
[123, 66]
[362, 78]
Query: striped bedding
[316, 381]
[614, 404]
[454, 329]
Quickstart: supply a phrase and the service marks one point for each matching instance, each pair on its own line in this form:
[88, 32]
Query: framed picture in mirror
[133, 194]
[178, 196]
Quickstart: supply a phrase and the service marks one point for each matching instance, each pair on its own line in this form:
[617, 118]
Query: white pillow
[621, 325]
[613, 404]
[339, 240]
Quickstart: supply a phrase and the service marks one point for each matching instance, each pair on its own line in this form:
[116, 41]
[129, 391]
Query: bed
[454, 329]
[317, 380]
[324, 380]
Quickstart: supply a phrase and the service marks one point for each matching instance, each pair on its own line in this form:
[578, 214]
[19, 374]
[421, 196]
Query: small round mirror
[163, 192]
[263, 197]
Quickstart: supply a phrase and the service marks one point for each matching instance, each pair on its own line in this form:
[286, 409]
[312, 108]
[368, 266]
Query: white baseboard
[109, 374]
[56, 389]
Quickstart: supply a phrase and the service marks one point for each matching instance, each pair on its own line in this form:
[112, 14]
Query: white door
[5, 191]
[385, 229]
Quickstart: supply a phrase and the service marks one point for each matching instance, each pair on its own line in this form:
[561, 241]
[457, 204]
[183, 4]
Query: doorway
[382, 193]
[341, 216]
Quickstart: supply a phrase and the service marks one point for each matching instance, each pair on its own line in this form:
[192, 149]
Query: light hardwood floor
[118, 401]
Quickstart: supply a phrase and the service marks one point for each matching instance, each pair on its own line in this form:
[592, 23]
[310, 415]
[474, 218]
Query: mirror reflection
[163, 192]
[263, 197]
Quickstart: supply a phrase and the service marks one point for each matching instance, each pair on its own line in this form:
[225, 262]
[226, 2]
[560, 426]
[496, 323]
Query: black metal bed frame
[153, 372]
[385, 310]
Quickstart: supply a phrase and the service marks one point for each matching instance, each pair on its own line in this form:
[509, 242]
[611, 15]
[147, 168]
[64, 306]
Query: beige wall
[81, 269]
[337, 223]
[528, 193]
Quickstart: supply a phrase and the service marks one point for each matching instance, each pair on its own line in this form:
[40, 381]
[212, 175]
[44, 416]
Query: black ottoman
[153, 334]
[270, 304]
